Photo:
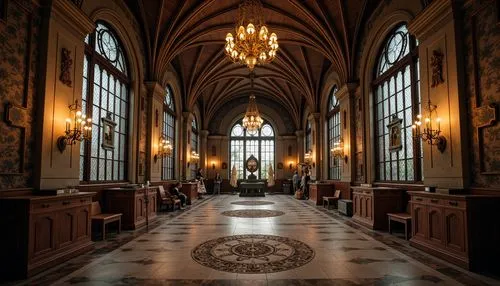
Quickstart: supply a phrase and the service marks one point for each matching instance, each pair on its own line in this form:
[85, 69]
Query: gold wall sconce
[213, 165]
[308, 159]
[290, 165]
[165, 149]
[338, 150]
[77, 129]
[432, 128]
[195, 157]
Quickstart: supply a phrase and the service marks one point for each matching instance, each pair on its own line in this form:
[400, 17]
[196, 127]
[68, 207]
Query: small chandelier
[252, 120]
[164, 149]
[78, 129]
[195, 157]
[338, 150]
[253, 45]
[430, 135]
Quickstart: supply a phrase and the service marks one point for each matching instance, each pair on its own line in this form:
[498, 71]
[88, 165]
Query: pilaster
[155, 95]
[64, 29]
[437, 30]
[346, 95]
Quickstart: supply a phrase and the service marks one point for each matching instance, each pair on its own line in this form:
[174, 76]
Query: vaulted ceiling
[315, 36]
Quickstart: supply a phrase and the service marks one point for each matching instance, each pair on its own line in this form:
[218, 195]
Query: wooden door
[42, 237]
[419, 221]
[83, 225]
[66, 227]
[435, 222]
[455, 230]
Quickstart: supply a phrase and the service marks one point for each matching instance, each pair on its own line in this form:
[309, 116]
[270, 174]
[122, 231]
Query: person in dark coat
[176, 191]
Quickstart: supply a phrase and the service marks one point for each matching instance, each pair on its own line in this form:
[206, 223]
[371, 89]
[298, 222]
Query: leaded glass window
[168, 132]
[105, 94]
[333, 119]
[396, 96]
[261, 144]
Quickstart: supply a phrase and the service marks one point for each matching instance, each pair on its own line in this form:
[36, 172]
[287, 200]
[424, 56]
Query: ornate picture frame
[280, 165]
[224, 166]
[395, 137]
[108, 132]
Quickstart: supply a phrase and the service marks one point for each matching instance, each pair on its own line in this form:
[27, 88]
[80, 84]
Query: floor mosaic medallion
[253, 213]
[252, 203]
[253, 253]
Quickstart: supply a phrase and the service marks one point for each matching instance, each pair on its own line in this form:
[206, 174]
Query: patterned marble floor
[342, 254]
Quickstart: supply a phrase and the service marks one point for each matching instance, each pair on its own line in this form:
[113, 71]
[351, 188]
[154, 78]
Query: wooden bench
[165, 198]
[404, 218]
[104, 219]
[334, 199]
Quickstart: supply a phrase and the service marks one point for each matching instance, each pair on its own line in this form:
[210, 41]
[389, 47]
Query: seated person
[176, 191]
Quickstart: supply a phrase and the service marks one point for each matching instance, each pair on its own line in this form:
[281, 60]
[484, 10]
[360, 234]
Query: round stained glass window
[108, 45]
[395, 47]
[237, 130]
[266, 130]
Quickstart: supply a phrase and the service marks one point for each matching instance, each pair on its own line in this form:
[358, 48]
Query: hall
[249, 142]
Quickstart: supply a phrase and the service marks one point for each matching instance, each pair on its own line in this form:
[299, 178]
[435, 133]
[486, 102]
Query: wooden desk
[39, 232]
[462, 229]
[319, 190]
[131, 202]
[371, 205]
[190, 189]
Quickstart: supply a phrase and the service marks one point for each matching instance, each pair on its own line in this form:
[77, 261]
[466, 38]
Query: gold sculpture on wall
[437, 68]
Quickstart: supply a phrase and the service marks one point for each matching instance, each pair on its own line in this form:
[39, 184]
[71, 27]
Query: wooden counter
[131, 202]
[319, 190]
[371, 205]
[190, 189]
[39, 232]
[462, 229]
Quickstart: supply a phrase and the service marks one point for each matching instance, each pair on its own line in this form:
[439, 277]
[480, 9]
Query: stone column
[64, 29]
[204, 151]
[442, 81]
[187, 118]
[156, 93]
[346, 95]
[316, 146]
[300, 145]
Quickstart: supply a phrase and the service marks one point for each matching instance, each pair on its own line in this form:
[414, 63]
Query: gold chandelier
[253, 44]
[252, 120]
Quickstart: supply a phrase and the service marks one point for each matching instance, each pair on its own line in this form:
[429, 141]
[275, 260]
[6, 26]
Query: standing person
[201, 185]
[302, 186]
[177, 192]
[217, 183]
[295, 181]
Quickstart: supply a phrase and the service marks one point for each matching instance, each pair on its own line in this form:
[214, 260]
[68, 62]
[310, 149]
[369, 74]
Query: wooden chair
[165, 198]
[404, 218]
[104, 219]
[334, 199]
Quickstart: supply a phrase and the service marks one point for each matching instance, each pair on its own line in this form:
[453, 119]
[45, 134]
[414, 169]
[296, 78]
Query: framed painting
[394, 126]
[108, 132]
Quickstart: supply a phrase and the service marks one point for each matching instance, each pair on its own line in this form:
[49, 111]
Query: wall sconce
[290, 165]
[164, 149]
[338, 150]
[213, 165]
[308, 158]
[195, 157]
[77, 130]
[430, 135]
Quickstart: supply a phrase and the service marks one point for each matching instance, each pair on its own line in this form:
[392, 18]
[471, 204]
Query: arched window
[105, 97]
[308, 137]
[244, 144]
[333, 118]
[397, 100]
[168, 132]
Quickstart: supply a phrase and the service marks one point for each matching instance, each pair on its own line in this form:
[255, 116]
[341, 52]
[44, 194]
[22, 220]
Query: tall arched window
[194, 144]
[333, 118]
[105, 97]
[168, 132]
[397, 100]
[244, 144]
[308, 137]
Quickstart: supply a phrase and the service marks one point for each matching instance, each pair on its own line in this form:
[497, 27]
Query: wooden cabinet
[190, 189]
[42, 231]
[372, 204]
[318, 190]
[461, 229]
[131, 202]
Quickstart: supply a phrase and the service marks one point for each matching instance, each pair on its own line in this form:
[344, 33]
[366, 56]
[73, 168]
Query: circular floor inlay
[253, 213]
[252, 203]
[253, 253]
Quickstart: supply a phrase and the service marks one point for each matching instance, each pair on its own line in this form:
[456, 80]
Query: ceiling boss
[253, 44]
